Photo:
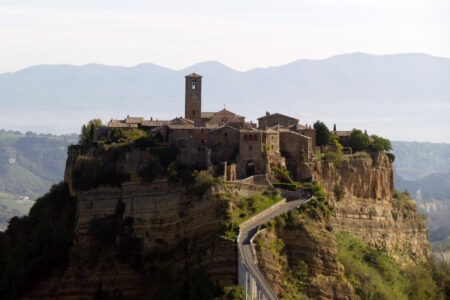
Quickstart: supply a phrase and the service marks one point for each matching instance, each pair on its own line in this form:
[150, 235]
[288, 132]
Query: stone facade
[270, 120]
[193, 107]
[224, 136]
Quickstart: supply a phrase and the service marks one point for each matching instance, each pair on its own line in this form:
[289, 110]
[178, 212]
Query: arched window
[194, 83]
[193, 112]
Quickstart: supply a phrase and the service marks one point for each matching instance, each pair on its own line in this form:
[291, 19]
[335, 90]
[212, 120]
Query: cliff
[161, 235]
[367, 208]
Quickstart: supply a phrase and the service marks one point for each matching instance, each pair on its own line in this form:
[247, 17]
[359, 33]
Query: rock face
[366, 210]
[179, 235]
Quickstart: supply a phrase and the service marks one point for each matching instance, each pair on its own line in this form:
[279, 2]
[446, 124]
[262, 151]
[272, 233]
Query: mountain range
[408, 92]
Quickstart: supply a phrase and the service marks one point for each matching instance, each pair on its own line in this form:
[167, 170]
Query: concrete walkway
[247, 231]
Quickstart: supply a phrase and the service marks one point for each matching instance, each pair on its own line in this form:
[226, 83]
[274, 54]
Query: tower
[193, 101]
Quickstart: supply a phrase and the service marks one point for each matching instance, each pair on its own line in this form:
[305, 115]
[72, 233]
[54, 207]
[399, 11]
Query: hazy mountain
[408, 92]
[29, 165]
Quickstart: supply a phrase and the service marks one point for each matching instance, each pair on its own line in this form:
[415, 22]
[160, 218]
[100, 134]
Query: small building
[270, 120]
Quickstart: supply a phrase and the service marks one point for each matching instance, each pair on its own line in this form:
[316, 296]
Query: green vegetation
[339, 191]
[334, 157]
[403, 206]
[114, 232]
[29, 164]
[322, 133]
[376, 275]
[358, 140]
[90, 173]
[379, 144]
[318, 206]
[233, 212]
[88, 131]
[232, 292]
[36, 245]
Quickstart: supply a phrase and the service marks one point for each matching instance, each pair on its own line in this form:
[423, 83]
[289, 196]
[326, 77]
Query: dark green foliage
[322, 133]
[116, 134]
[233, 292]
[88, 131]
[286, 186]
[380, 144]
[391, 156]
[195, 287]
[36, 245]
[114, 232]
[318, 206]
[282, 175]
[166, 155]
[358, 140]
[339, 192]
[90, 173]
[203, 181]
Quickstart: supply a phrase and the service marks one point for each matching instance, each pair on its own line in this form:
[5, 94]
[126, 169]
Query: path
[247, 231]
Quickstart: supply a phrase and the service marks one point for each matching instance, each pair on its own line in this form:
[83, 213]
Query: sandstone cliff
[368, 209]
[178, 236]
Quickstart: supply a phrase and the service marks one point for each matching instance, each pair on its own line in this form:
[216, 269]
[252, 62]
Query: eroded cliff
[367, 208]
[138, 237]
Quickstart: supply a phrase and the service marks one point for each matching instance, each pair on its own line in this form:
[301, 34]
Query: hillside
[407, 91]
[29, 165]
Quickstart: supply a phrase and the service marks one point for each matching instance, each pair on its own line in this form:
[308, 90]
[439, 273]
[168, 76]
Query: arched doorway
[251, 166]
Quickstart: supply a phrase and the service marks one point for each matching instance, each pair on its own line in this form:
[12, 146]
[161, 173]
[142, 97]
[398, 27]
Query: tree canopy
[322, 133]
[379, 144]
[358, 140]
[88, 131]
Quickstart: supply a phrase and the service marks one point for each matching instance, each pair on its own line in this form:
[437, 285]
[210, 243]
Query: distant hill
[416, 160]
[408, 92]
[424, 170]
[29, 165]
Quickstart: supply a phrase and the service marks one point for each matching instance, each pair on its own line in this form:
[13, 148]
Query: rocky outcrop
[303, 260]
[367, 209]
[179, 235]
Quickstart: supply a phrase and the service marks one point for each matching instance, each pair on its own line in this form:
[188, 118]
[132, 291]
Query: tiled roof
[194, 75]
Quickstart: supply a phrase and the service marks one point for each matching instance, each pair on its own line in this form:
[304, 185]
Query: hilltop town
[244, 148]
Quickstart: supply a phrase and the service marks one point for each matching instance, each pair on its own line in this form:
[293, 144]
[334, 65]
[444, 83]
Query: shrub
[334, 157]
[35, 246]
[322, 133]
[203, 181]
[358, 140]
[380, 144]
[339, 192]
[88, 131]
[286, 186]
[391, 156]
[90, 173]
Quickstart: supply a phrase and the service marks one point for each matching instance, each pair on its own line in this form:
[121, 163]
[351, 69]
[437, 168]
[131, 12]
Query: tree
[358, 140]
[88, 131]
[322, 133]
[380, 144]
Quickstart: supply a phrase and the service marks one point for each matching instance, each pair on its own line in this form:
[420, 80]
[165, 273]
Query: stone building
[225, 138]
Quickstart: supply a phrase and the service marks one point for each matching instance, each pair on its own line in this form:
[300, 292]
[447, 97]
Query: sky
[241, 34]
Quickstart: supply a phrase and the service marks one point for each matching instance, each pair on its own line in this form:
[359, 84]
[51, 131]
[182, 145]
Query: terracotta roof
[134, 120]
[155, 123]
[276, 115]
[341, 133]
[194, 75]
[207, 114]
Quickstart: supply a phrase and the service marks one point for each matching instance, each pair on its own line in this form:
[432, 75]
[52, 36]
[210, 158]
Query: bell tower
[193, 101]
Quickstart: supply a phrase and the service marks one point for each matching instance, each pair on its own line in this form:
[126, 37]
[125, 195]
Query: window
[250, 147]
[194, 83]
[193, 112]
[245, 137]
[255, 137]
[225, 134]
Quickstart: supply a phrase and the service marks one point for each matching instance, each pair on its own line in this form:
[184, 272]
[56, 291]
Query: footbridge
[249, 275]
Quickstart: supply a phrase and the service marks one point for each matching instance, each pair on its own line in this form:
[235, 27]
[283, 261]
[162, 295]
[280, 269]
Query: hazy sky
[241, 34]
